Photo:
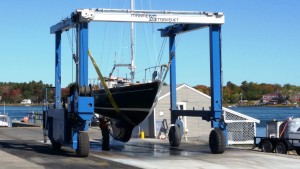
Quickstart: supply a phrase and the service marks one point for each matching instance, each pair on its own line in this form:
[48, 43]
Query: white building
[26, 101]
[241, 128]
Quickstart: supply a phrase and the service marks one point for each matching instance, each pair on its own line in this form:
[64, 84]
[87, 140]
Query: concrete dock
[24, 148]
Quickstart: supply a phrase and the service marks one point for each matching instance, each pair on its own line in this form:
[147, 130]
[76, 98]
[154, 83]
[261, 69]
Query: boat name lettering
[154, 18]
[165, 20]
[143, 15]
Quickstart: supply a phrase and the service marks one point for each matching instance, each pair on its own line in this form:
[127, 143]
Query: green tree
[231, 93]
[15, 92]
[203, 89]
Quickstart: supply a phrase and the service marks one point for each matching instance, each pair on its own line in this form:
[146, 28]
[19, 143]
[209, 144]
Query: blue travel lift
[217, 137]
[66, 123]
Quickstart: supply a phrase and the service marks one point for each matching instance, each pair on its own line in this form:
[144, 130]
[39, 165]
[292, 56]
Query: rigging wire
[163, 47]
[71, 47]
[104, 38]
[154, 40]
[71, 43]
[105, 48]
[150, 52]
[119, 38]
[74, 37]
[150, 4]
[177, 40]
[161, 51]
[153, 31]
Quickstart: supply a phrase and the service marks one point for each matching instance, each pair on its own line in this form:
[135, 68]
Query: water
[17, 113]
[265, 114]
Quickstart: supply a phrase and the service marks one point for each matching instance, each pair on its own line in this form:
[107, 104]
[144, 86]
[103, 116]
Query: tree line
[11, 92]
[232, 93]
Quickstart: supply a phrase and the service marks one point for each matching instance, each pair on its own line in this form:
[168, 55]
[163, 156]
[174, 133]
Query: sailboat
[125, 103]
[4, 119]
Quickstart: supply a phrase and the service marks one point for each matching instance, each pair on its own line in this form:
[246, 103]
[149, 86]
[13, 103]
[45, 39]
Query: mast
[132, 66]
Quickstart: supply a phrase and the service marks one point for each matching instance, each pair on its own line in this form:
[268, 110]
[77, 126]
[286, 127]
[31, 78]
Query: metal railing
[35, 118]
[240, 128]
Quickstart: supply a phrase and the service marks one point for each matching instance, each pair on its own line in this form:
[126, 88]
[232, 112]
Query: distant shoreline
[224, 105]
[276, 105]
[18, 104]
[259, 105]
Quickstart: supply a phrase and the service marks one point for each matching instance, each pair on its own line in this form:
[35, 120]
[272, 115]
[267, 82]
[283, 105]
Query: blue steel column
[215, 74]
[58, 70]
[83, 54]
[83, 76]
[172, 77]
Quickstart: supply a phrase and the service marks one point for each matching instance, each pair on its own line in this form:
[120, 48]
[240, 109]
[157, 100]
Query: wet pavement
[24, 148]
[153, 154]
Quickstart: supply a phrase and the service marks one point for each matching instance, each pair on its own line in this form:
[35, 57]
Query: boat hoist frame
[68, 124]
[217, 138]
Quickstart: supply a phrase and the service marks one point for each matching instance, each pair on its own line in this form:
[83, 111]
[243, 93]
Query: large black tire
[217, 142]
[83, 147]
[298, 151]
[281, 148]
[267, 146]
[174, 136]
[56, 145]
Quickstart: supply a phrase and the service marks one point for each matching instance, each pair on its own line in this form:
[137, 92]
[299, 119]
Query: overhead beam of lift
[119, 15]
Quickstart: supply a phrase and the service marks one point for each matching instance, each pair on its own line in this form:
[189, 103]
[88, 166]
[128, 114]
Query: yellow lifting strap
[109, 95]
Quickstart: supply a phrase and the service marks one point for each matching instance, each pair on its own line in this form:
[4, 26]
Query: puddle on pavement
[144, 149]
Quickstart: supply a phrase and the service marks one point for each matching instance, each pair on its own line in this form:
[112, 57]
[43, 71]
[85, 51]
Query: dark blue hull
[135, 102]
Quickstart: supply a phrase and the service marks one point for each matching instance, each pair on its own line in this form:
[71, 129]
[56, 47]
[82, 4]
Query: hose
[283, 130]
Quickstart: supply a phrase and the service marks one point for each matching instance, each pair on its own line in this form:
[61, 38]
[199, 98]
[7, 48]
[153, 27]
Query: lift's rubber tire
[56, 145]
[174, 136]
[217, 142]
[267, 146]
[281, 148]
[83, 148]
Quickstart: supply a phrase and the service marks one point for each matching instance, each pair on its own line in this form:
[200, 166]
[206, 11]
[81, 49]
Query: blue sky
[260, 41]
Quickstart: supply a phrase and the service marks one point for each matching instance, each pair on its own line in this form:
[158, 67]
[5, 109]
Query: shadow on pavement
[22, 148]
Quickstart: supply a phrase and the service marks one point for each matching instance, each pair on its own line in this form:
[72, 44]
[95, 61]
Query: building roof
[165, 92]
[272, 94]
